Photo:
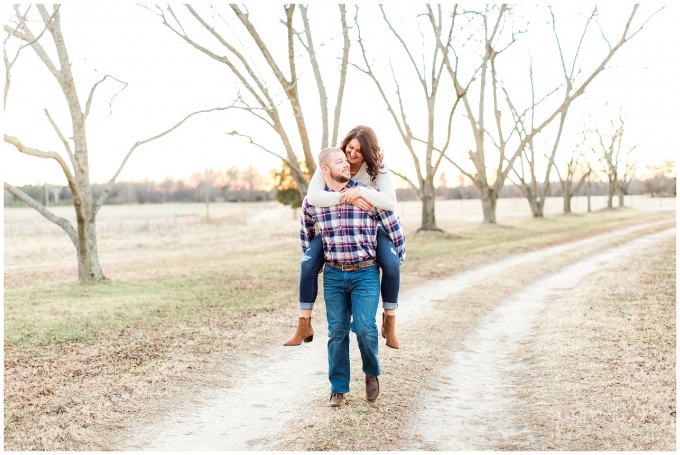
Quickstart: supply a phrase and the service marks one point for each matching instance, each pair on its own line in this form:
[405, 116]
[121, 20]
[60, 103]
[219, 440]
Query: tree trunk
[489, 199]
[567, 203]
[620, 193]
[611, 191]
[88, 257]
[536, 209]
[428, 222]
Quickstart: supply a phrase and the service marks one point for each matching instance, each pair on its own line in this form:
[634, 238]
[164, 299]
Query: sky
[167, 79]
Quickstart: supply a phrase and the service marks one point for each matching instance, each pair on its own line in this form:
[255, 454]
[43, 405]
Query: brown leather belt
[350, 267]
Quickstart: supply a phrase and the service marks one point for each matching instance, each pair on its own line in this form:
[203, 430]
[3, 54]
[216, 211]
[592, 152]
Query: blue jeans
[387, 258]
[354, 296]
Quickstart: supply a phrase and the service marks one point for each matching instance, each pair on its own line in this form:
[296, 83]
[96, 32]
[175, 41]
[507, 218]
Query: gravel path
[470, 411]
[274, 387]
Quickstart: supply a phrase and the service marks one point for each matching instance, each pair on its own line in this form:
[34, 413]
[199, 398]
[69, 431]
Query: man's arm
[390, 221]
[317, 194]
[307, 232]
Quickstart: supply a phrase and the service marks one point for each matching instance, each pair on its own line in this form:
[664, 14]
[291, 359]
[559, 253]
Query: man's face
[338, 167]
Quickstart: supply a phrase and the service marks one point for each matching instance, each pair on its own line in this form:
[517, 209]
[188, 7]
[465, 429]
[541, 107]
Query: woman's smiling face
[353, 152]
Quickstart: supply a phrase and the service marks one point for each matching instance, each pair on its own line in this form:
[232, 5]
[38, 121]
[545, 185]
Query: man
[351, 277]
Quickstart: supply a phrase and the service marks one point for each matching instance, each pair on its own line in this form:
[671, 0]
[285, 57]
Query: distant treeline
[249, 185]
[233, 185]
[654, 187]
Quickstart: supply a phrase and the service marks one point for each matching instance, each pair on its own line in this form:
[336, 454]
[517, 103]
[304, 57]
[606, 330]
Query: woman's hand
[363, 204]
[349, 195]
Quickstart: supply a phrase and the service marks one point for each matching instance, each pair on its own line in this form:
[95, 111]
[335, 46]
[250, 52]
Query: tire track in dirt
[470, 411]
[273, 388]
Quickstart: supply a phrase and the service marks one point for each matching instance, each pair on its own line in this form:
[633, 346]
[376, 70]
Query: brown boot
[304, 332]
[388, 331]
[372, 388]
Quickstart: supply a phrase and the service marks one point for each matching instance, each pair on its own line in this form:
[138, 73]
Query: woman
[366, 166]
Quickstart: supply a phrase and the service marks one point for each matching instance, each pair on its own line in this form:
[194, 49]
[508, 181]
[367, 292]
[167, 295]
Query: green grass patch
[77, 312]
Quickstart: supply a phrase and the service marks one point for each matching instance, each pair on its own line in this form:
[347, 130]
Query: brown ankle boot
[388, 331]
[304, 332]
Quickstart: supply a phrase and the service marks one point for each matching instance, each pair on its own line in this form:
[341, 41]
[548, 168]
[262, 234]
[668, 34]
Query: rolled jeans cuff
[306, 306]
[390, 306]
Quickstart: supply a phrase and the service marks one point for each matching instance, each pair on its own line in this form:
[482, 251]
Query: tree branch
[15, 32]
[460, 169]
[290, 165]
[343, 73]
[405, 179]
[67, 146]
[569, 98]
[323, 98]
[243, 17]
[405, 135]
[415, 65]
[39, 50]
[89, 98]
[61, 222]
[369, 72]
[107, 189]
[40, 154]
[223, 59]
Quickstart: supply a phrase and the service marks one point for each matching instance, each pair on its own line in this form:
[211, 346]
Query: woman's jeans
[351, 295]
[387, 258]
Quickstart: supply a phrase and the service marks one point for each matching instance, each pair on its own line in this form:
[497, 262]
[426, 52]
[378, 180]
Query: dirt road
[468, 410]
[471, 410]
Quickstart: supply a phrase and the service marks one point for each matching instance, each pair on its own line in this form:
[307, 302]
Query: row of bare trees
[601, 151]
[501, 123]
[456, 61]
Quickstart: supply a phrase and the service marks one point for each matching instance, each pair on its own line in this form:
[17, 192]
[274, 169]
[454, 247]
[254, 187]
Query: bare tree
[261, 101]
[661, 179]
[629, 169]
[589, 184]
[442, 28]
[618, 163]
[577, 164]
[84, 235]
[495, 20]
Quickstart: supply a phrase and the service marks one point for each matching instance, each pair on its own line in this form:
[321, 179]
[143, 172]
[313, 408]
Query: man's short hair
[325, 155]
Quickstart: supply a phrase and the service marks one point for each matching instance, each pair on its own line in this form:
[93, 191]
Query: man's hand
[348, 195]
[362, 203]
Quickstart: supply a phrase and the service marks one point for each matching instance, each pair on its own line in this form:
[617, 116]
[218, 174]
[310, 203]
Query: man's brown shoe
[389, 331]
[337, 400]
[304, 332]
[372, 388]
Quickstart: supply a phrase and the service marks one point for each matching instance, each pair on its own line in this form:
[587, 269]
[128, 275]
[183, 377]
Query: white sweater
[385, 198]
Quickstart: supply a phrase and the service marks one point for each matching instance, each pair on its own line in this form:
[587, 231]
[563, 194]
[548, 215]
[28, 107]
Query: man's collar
[349, 184]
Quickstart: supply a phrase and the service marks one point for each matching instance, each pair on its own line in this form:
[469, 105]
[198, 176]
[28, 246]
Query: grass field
[183, 302]
[192, 276]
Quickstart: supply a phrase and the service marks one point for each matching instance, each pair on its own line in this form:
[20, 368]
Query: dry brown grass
[84, 395]
[600, 372]
[87, 395]
[412, 372]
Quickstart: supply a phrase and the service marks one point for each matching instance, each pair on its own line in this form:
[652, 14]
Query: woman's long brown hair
[369, 148]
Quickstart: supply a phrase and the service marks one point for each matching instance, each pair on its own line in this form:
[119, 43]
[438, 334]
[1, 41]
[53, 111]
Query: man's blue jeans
[387, 258]
[354, 296]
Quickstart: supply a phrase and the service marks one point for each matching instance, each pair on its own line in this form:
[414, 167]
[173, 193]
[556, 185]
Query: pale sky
[168, 79]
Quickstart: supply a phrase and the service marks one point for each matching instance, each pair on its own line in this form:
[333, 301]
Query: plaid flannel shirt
[349, 233]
